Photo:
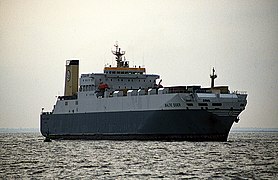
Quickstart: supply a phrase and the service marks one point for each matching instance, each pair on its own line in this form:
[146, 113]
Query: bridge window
[202, 104]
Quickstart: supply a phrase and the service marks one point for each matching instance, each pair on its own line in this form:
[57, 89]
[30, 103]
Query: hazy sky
[178, 39]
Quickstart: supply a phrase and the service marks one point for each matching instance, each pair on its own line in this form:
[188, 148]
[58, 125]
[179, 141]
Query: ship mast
[213, 76]
[118, 53]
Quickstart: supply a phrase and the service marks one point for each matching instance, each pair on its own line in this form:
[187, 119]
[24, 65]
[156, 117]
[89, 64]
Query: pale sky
[178, 39]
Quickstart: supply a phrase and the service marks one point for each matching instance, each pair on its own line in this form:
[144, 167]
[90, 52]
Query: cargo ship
[126, 103]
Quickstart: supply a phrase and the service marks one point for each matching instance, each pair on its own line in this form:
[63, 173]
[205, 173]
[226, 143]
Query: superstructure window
[189, 104]
[66, 103]
[202, 104]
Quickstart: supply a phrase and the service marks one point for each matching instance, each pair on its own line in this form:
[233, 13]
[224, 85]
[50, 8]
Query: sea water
[246, 155]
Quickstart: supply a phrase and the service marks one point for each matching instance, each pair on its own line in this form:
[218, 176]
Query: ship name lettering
[172, 105]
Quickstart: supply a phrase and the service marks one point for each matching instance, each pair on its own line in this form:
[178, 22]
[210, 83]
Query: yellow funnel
[71, 77]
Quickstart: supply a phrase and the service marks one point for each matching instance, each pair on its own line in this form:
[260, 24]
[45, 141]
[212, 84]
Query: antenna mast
[213, 76]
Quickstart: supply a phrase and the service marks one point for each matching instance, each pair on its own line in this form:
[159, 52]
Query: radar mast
[118, 53]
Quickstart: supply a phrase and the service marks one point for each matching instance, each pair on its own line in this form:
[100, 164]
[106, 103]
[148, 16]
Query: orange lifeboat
[103, 86]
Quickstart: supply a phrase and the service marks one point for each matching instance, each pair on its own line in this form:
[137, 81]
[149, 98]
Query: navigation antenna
[213, 76]
[118, 53]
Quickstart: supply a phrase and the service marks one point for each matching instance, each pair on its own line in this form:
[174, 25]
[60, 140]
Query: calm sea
[246, 155]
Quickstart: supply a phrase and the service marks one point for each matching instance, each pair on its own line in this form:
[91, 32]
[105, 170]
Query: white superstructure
[123, 88]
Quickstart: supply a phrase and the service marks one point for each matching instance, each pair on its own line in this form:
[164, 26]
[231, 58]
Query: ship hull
[168, 125]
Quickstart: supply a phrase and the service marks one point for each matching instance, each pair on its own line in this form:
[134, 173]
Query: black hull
[170, 125]
[142, 137]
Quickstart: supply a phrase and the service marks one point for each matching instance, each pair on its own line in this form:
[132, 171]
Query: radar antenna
[118, 53]
[213, 76]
